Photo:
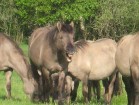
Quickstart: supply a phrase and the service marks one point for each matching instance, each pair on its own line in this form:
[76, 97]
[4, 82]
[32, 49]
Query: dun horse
[50, 50]
[93, 61]
[127, 60]
[12, 58]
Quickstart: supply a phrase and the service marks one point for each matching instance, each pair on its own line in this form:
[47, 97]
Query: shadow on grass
[12, 98]
[80, 101]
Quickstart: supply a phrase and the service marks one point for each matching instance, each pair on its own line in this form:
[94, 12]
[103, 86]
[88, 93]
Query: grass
[19, 97]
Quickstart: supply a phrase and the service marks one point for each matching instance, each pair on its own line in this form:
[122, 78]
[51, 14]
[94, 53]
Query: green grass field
[19, 97]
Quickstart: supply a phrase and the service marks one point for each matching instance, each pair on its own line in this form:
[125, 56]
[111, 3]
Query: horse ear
[72, 24]
[59, 26]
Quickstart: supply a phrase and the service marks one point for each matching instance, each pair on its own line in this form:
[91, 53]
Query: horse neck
[61, 59]
[56, 53]
[51, 39]
[22, 68]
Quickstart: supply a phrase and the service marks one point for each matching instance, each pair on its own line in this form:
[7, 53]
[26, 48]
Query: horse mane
[80, 44]
[20, 51]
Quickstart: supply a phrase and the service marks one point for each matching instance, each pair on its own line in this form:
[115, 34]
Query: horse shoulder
[135, 49]
[124, 54]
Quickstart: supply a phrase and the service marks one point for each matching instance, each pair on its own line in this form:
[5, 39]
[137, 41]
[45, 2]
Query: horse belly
[102, 71]
[102, 66]
[79, 70]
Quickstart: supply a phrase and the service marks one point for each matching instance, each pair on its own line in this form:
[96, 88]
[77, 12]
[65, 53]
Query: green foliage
[48, 11]
[8, 20]
[93, 19]
[34, 13]
[117, 17]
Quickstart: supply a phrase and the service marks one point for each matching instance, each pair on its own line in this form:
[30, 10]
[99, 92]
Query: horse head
[64, 39]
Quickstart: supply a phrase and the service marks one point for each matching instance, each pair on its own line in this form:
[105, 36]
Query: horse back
[38, 34]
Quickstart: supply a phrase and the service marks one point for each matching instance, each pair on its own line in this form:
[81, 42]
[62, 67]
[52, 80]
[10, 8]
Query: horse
[12, 58]
[127, 61]
[50, 50]
[95, 85]
[93, 60]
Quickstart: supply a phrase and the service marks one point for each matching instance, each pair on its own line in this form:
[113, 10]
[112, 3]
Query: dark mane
[81, 44]
[20, 51]
[51, 33]
[67, 28]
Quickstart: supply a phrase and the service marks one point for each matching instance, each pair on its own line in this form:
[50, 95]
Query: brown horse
[127, 60]
[12, 58]
[50, 50]
[93, 61]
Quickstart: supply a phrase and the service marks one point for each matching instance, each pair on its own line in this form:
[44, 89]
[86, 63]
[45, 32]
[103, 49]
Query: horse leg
[54, 91]
[129, 87]
[74, 90]
[46, 85]
[96, 86]
[36, 76]
[68, 88]
[34, 70]
[105, 85]
[111, 87]
[8, 75]
[90, 83]
[118, 85]
[85, 89]
[61, 81]
[135, 78]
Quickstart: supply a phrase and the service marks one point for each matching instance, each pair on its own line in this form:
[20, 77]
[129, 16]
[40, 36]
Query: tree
[35, 13]
[116, 18]
[8, 20]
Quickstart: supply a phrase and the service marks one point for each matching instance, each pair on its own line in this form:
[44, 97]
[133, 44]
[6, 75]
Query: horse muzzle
[69, 56]
[70, 50]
